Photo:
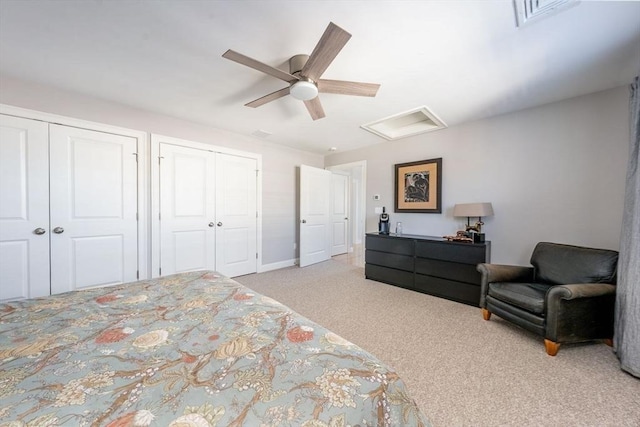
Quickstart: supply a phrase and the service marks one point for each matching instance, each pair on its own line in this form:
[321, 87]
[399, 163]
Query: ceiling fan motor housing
[296, 63]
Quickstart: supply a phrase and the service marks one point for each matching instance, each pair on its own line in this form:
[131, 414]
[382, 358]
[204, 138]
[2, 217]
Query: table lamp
[474, 209]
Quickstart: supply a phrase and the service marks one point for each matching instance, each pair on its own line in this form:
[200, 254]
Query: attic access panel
[409, 123]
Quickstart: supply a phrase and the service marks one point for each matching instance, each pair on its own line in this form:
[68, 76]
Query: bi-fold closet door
[207, 210]
[68, 208]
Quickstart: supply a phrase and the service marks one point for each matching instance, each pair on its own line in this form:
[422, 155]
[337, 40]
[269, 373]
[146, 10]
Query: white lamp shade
[303, 90]
[473, 209]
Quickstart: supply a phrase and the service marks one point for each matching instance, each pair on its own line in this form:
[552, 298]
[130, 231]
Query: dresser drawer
[448, 270]
[390, 244]
[455, 252]
[400, 262]
[388, 275]
[457, 291]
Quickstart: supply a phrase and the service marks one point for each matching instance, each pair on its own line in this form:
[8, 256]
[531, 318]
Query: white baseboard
[277, 265]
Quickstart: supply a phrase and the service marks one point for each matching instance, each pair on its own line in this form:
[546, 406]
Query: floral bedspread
[193, 349]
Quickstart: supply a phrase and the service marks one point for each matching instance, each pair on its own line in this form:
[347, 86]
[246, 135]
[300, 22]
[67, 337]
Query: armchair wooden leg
[609, 342]
[486, 314]
[551, 347]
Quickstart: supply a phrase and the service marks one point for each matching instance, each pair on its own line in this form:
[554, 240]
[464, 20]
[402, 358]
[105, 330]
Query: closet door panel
[93, 208]
[187, 209]
[236, 209]
[24, 208]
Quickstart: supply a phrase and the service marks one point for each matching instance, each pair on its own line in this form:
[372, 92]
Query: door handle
[39, 231]
[304, 221]
[58, 230]
[211, 224]
[346, 219]
[219, 224]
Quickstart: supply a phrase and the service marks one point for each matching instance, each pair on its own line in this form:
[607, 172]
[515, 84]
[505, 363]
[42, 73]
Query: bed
[192, 349]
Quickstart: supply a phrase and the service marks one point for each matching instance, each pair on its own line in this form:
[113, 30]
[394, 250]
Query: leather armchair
[568, 295]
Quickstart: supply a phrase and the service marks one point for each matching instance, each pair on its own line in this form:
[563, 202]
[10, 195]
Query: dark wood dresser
[427, 264]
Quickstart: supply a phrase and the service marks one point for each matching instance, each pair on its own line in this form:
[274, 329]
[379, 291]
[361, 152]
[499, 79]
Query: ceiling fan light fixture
[303, 90]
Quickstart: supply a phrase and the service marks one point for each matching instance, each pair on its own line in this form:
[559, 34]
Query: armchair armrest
[501, 273]
[505, 273]
[580, 311]
[580, 290]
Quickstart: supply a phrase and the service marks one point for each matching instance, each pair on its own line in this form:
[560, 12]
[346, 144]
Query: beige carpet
[460, 369]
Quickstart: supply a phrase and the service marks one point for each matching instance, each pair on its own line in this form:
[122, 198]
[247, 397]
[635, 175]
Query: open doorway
[357, 172]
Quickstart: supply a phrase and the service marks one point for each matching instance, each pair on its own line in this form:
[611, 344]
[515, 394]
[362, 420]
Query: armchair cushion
[560, 264]
[527, 296]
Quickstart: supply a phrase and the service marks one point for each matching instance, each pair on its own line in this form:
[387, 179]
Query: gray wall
[553, 173]
[279, 201]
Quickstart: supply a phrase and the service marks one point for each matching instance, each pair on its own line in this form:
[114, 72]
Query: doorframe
[155, 140]
[142, 139]
[356, 203]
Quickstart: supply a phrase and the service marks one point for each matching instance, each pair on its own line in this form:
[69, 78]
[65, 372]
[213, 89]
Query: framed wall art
[419, 186]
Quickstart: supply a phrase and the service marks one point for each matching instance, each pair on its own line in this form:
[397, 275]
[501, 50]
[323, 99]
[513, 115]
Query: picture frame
[418, 186]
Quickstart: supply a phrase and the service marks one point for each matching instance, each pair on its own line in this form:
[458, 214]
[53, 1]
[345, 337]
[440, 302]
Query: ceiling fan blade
[268, 98]
[342, 87]
[257, 65]
[330, 44]
[315, 108]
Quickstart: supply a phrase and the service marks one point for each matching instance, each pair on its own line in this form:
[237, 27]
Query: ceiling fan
[305, 72]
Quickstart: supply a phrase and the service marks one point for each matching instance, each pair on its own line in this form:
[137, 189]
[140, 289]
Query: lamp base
[478, 237]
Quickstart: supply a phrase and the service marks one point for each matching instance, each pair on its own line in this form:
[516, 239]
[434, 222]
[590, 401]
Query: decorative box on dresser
[431, 265]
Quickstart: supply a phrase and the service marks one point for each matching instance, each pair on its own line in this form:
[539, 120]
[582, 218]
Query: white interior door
[339, 213]
[24, 208]
[315, 215]
[236, 215]
[357, 201]
[93, 200]
[187, 209]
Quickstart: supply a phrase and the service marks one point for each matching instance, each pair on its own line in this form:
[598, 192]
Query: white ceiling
[464, 60]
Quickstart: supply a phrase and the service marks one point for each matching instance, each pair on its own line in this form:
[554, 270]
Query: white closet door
[93, 194]
[24, 208]
[315, 215]
[236, 215]
[339, 213]
[187, 202]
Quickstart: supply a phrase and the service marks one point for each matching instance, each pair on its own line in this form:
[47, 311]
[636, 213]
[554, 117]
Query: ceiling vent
[532, 10]
[412, 122]
[261, 133]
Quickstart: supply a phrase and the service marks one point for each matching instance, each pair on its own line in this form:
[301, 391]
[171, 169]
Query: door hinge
[160, 271]
[138, 274]
[256, 214]
[137, 217]
[256, 255]
[160, 158]
[136, 154]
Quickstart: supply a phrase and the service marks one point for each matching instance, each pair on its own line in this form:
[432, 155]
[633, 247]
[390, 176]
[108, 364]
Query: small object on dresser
[399, 228]
[461, 236]
[383, 223]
